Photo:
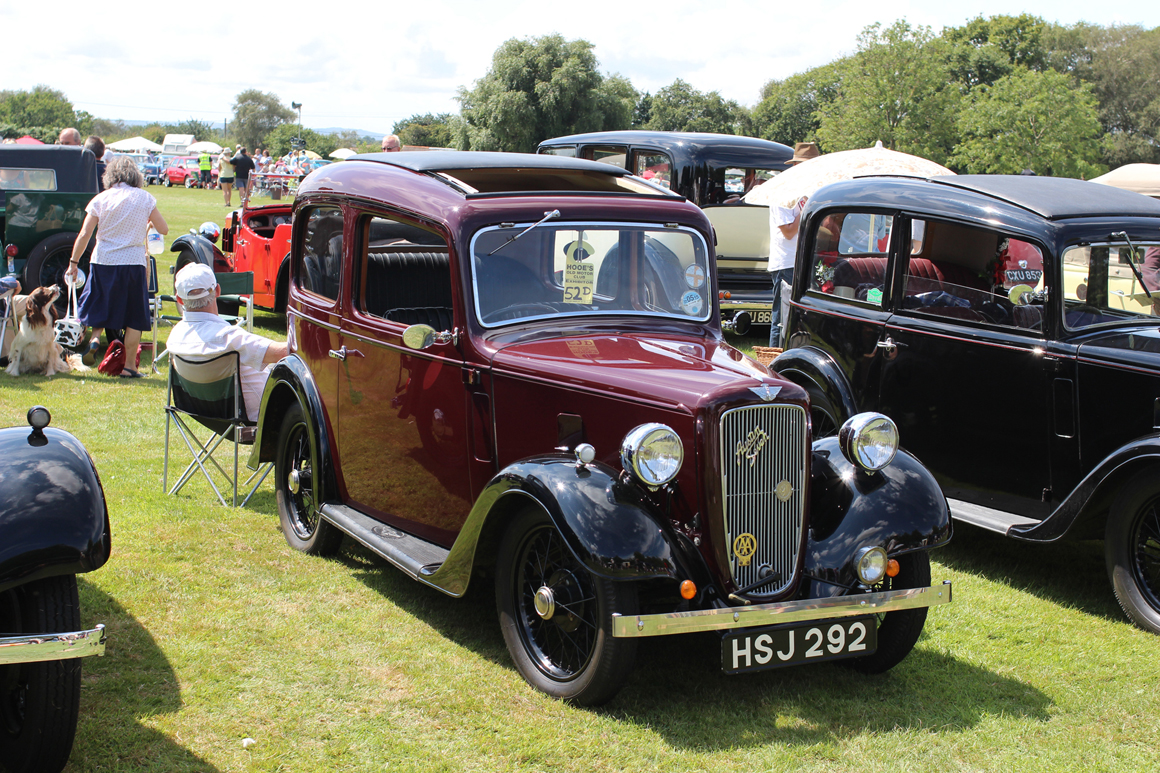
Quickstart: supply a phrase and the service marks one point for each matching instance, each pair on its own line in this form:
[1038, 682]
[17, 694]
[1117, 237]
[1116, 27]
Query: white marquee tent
[135, 145]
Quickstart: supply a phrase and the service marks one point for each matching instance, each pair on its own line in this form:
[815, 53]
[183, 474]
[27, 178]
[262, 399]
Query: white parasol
[808, 176]
[206, 145]
[343, 153]
[1141, 178]
[312, 154]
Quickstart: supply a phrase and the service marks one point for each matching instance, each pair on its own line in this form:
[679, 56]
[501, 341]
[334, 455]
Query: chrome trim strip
[805, 610]
[52, 646]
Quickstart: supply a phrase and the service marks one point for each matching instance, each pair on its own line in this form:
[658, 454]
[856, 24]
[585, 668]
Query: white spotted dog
[35, 350]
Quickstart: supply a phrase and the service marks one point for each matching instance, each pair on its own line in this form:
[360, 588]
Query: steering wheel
[515, 311]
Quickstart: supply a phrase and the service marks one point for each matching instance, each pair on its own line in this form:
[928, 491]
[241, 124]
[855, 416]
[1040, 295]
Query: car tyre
[898, 632]
[1132, 549]
[39, 702]
[297, 489]
[189, 182]
[168, 182]
[568, 651]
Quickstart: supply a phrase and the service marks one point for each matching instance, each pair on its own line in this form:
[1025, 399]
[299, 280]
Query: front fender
[604, 520]
[808, 366]
[291, 381]
[901, 508]
[201, 247]
[53, 519]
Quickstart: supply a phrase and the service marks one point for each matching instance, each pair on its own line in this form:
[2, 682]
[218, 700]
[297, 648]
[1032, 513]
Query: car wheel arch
[813, 368]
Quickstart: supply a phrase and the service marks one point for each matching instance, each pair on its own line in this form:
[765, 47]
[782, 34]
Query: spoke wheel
[1132, 549]
[556, 616]
[39, 702]
[297, 489]
[898, 632]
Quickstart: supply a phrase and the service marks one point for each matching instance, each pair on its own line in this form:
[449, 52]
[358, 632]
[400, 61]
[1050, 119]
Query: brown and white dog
[35, 350]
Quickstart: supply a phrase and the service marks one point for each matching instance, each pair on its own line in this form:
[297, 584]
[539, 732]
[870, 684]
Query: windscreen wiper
[1131, 250]
[547, 216]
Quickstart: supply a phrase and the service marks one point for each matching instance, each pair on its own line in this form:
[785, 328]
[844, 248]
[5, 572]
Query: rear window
[17, 179]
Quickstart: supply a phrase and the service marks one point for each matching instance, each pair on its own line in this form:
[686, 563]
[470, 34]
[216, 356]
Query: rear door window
[850, 256]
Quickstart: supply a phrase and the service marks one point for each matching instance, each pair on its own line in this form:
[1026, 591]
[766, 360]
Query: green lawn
[219, 632]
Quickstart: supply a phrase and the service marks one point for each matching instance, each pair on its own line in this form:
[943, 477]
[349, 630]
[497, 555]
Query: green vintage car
[43, 193]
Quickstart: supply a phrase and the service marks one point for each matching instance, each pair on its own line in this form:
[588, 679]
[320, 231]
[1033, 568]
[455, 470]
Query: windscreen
[557, 270]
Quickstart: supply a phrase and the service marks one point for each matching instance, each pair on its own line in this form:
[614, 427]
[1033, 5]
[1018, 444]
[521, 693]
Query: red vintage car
[185, 170]
[510, 368]
[259, 238]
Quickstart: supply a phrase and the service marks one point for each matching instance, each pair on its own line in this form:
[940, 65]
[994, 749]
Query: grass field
[219, 632]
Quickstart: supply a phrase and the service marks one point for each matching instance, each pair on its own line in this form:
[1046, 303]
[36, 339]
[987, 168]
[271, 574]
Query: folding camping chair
[210, 393]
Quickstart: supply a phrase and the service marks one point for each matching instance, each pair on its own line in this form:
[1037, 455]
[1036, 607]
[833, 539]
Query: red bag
[114, 361]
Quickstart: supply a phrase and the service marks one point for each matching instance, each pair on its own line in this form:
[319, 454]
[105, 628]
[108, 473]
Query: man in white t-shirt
[202, 334]
[783, 233]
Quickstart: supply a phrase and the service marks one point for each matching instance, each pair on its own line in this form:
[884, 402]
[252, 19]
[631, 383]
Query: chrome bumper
[52, 646]
[783, 612]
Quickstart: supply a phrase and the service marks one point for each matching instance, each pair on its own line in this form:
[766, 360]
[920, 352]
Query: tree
[984, 50]
[199, 129]
[897, 88]
[256, 115]
[1124, 72]
[788, 111]
[1040, 121]
[427, 130]
[278, 142]
[681, 108]
[42, 106]
[536, 89]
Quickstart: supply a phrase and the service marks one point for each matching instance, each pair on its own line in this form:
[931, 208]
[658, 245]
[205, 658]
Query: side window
[617, 155]
[403, 273]
[850, 255]
[321, 263]
[974, 275]
[568, 151]
[654, 167]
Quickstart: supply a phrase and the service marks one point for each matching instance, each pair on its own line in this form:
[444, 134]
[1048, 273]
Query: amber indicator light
[688, 589]
[892, 568]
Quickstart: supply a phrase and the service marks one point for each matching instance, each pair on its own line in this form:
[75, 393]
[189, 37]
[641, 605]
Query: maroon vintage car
[512, 366]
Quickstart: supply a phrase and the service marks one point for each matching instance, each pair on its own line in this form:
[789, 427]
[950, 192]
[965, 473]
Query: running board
[415, 556]
[986, 518]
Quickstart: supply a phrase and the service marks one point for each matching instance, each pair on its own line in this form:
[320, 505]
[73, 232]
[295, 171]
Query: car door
[403, 422]
[967, 375]
[843, 287]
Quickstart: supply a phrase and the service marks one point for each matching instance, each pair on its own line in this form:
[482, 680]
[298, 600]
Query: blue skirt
[115, 297]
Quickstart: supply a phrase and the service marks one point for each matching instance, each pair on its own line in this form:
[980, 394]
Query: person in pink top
[115, 295]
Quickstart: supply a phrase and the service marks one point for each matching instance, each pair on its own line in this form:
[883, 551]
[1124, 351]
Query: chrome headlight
[869, 440]
[653, 453]
[871, 565]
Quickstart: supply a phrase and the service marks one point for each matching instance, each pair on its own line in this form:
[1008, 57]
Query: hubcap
[545, 602]
[294, 482]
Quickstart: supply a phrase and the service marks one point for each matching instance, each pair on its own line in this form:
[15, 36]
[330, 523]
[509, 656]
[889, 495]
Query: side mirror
[1018, 295]
[418, 336]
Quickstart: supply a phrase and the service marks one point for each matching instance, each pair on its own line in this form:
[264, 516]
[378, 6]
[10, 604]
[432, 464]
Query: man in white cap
[202, 334]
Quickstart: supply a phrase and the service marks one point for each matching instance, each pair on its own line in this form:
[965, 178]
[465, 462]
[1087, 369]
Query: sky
[364, 65]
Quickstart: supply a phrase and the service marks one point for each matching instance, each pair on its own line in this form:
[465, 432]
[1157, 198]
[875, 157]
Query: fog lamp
[871, 565]
[688, 589]
[869, 440]
[38, 417]
[892, 568]
[653, 453]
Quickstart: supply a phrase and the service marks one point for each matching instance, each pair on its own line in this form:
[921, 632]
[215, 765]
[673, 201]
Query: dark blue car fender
[900, 508]
[52, 507]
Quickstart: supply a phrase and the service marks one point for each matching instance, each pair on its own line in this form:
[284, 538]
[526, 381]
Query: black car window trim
[901, 262]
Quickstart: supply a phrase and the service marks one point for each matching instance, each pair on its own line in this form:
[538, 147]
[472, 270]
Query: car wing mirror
[1018, 295]
[418, 336]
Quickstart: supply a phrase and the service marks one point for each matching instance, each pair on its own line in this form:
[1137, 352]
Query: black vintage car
[1008, 325]
[53, 526]
[44, 190]
[713, 171]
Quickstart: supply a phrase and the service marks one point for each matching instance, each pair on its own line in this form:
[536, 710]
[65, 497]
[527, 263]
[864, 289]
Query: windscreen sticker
[695, 276]
[691, 303]
[579, 277]
[584, 348]
[874, 296]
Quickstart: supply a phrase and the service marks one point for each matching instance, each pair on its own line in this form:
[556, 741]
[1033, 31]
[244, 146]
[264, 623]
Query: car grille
[763, 463]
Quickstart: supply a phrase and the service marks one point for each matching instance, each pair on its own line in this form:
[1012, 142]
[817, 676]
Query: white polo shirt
[202, 336]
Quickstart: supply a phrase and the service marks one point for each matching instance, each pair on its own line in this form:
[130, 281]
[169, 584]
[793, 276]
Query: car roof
[484, 173]
[738, 149]
[76, 167]
[1056, 198]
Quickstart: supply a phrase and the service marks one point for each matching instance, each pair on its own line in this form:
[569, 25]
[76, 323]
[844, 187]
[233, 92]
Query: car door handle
[342, 353]
[888, 344]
